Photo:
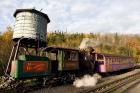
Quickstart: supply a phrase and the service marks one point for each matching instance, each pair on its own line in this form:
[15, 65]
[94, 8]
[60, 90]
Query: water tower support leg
[12, 53]
[17, 48]
[9, 59]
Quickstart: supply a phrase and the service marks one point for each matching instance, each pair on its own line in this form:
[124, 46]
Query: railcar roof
[51, 48]
[114, 55]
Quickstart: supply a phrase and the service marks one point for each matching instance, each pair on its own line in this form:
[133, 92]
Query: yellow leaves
[7, 36]
[137, 58]
[5, 44]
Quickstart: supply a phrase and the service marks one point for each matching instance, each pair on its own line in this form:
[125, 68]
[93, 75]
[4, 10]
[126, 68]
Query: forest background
[112, 43]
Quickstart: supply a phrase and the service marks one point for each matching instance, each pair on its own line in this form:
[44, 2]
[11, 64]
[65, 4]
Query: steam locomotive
[68, 63]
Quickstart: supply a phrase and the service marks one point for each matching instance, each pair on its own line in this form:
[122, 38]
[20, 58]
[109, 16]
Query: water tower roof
[33, 11]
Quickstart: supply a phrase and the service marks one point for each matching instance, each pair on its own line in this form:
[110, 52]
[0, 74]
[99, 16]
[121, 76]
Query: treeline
[112, 43]
[64, 39]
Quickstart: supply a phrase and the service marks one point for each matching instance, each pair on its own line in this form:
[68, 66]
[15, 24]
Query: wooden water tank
[31, 25]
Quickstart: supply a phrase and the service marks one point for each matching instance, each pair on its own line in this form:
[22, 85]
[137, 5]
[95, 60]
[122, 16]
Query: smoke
[92, 42]
[89, 42]
[87, 81]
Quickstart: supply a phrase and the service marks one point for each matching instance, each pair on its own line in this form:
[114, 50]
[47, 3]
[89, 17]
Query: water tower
[29, 32]
[31, 26]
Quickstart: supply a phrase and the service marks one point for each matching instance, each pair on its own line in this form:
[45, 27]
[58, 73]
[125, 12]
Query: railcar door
[56, 57]
[101, 66]
[52, 55]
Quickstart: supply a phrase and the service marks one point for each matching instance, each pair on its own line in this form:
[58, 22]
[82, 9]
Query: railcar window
[107, 59]
[110, 60]
[71, 55]
[113, 60]
[66, 55]
[52, 56]
[93, 56]
[100, 57]
[116, 60]
[74, 56]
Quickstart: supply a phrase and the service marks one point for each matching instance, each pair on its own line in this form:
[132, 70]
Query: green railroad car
[63, 59]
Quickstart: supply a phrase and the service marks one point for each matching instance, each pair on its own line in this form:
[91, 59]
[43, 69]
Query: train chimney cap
[32, 11]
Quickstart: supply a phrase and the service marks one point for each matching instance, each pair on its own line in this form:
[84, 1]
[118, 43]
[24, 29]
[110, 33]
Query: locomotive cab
[62, 59]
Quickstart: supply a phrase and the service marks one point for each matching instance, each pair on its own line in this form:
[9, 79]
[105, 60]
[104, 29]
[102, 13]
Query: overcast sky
[122, 16]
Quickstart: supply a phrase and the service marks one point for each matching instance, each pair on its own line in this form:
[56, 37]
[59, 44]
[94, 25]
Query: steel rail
[112, 85]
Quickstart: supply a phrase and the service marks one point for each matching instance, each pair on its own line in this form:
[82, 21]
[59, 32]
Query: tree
[5, 48]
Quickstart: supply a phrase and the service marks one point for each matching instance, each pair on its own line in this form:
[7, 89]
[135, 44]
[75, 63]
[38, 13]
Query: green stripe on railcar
[30, 66]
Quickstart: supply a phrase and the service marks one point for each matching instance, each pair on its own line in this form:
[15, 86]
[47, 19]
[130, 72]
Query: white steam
[92, 42]
[87, 81]
[89, 42]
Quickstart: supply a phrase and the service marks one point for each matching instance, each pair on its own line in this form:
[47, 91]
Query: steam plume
[87, 81]
[91, 42]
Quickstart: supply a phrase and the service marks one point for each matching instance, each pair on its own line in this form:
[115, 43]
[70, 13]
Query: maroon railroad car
[110, 62]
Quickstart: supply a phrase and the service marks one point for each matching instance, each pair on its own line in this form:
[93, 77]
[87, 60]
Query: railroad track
[112, 85]
[106, 86]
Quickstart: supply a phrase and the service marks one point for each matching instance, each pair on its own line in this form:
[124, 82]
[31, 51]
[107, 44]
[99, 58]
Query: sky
[83, 16]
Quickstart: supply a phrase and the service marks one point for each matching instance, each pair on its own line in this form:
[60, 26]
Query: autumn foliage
[113, 43]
